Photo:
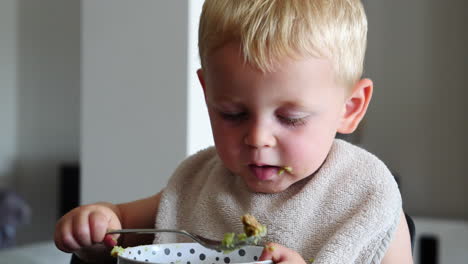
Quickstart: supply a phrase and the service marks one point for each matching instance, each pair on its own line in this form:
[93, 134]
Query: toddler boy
[280, 78]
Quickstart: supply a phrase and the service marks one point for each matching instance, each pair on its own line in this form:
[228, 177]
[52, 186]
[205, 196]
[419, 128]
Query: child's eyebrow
[224, 99]
[226, 102]
[297, 106]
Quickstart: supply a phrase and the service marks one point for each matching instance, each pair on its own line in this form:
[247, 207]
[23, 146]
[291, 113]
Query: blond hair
[269, 30]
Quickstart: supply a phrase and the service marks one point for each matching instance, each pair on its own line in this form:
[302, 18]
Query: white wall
[134, 82]
[7, 91]
[199, 128]
[451, 235]
[47, 105]
[417, 122]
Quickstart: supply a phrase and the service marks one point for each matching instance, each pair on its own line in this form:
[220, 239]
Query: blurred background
[99, 100]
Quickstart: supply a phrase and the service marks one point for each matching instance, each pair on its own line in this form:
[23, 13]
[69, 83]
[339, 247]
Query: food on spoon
[252, 227]
[228, 239]
[270, 248]
[253, 232]
[117, 250]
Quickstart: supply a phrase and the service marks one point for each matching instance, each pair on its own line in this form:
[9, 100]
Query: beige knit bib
[347, 212]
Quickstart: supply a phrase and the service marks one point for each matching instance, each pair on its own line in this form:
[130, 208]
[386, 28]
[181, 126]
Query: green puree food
[287, 169]
[253, 232]
[116, 251]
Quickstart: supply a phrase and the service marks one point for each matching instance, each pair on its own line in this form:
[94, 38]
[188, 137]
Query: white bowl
[188, 253]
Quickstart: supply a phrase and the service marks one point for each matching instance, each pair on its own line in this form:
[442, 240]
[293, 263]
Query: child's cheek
[303, 155]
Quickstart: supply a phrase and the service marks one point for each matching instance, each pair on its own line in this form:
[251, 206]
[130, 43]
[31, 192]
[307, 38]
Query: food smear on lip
[286, 168]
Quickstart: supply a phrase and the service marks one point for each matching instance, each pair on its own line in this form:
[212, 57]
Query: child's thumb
[272, 251]
[100, 223]
[110, 240]
[280, 254]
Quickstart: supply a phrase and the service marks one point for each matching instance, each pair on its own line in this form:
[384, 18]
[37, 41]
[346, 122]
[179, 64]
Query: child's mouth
[264, 172]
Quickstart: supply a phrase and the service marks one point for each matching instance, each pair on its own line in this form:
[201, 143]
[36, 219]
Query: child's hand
[281, 255]
[85, 226]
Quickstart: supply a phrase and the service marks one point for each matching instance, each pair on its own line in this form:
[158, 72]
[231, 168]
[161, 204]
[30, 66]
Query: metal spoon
[206, 242]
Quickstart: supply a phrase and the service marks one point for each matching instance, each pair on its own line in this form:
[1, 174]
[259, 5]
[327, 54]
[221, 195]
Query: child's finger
[81, 231]
[64, 239]
[109, 241]
[114, 224]
[280, 254]
[98, 225]
[270, 252]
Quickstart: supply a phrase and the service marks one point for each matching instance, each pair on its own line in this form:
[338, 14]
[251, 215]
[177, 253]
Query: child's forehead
[228, 64]
[233, 50]
[290, 91]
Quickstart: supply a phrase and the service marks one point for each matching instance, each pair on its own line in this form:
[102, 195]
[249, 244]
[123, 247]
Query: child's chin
[265, 187]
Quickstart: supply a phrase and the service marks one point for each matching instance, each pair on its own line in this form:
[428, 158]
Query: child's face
[263, 122]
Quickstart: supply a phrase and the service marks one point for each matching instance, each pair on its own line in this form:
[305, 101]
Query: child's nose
[259, 135]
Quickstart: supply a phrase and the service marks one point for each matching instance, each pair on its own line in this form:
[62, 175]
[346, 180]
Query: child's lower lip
[264, 173]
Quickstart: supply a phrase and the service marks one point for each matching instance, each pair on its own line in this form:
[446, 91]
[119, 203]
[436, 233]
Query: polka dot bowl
[188, 253]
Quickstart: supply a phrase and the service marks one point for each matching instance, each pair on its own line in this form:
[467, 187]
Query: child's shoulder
[340, 145]
[359, 173]
[357, 165]
[347, 154]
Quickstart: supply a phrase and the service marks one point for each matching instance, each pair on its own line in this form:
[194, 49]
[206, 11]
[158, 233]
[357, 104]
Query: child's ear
[356, 106]
[201, 78]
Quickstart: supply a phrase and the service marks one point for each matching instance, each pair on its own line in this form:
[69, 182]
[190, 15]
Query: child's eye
[233, 116]
[292, 121]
